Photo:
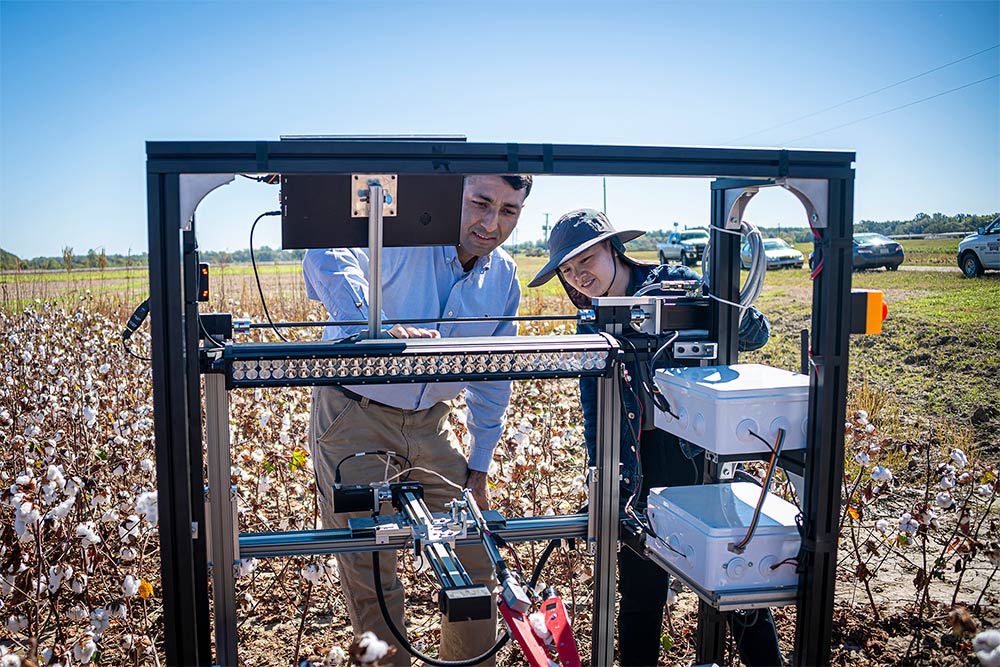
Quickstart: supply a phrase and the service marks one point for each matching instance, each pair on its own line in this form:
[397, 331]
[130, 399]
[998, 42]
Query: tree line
[922, 223]
[98, 259]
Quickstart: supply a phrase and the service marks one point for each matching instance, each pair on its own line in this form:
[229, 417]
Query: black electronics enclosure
[317, 211]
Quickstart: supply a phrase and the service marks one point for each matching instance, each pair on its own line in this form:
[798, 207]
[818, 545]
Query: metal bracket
[386, 531]
[360, 183]
[814, 194]
[194, 188]
[736, 203]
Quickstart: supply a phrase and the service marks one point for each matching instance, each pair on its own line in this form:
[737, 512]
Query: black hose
[409, 647]
[537, 572]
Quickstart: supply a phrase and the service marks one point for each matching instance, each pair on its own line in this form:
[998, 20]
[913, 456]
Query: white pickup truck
[685, 246]
[978, 252]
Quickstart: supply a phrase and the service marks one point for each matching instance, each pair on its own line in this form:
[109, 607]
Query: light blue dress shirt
[426, 282]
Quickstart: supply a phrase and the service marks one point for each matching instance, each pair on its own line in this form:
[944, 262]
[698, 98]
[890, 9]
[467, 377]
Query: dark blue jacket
[754, 332]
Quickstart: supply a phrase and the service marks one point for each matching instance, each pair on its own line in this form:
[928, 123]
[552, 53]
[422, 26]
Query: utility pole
[545, 228]
[604, 180]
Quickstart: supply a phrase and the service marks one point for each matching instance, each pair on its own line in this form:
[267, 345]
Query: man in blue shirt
[476, 278]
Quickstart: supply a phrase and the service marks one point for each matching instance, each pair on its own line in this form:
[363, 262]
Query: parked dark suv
[872, 251]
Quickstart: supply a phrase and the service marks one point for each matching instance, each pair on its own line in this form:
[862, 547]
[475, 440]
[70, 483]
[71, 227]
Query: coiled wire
[758, 267]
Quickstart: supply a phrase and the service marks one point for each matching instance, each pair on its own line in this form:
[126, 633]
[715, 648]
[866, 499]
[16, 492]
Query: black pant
[643, 584]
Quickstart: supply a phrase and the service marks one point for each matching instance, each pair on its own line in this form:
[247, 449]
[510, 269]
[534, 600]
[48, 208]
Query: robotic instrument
[672, 330]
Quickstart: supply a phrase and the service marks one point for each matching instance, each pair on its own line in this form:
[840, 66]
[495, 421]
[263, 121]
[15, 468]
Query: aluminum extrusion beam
[177, 431]
[314, 542]
[825, 451]
[606, 514]
[422, 157]
[222, 517]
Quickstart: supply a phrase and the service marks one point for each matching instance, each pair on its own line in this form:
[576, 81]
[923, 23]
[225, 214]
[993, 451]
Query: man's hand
[399, 331]
[477, 483]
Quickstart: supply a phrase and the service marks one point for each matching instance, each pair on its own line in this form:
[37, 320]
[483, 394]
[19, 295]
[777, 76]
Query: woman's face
[592, 271]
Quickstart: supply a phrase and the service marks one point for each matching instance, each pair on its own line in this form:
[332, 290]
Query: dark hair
[519, 182]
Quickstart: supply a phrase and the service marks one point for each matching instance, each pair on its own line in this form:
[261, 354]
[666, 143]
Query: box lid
[726, 509]
[737, 381]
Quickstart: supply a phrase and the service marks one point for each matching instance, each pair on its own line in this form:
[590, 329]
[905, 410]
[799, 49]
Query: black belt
[354, 396]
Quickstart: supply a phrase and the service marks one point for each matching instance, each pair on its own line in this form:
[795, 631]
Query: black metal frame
[173, 304]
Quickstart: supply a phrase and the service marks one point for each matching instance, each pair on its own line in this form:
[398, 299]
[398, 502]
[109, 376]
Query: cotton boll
[128, 529]
[537, 620]
[78, 583]
[370, 649]
[335, 658]
[987, 647]
[944, 500]
[84, 648]
[16, 623]
[10, 660]
[959, 458]
[146, 505]
[130, 587]
[881, 474]
[246, 567]
[313, 573]
[100, 620]
[77, 612]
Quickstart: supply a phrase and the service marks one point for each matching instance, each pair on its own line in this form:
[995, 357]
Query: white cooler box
[696, 524]
[719, 406]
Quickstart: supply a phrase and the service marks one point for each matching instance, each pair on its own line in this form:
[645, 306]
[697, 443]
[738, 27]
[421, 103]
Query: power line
[882, 113]
[859, 97]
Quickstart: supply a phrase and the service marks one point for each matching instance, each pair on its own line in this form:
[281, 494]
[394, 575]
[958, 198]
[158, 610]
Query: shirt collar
[482, 263]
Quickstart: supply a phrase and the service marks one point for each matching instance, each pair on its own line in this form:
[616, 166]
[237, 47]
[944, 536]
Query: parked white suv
[978, 252]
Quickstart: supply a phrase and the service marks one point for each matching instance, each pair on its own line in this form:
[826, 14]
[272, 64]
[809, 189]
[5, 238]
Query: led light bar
[418, 360]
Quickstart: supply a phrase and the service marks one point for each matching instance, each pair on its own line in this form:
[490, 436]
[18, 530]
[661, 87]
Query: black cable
[770, 448]
[134, 322]
[374, 452]
[256, 276]
[270, 179]
[380, 596]
[536, 573]
[133, 354]
[207, 335]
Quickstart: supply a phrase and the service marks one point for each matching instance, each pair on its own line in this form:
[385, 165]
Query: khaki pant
[339, 427]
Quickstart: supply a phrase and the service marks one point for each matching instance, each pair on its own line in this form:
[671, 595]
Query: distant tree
[67, 253]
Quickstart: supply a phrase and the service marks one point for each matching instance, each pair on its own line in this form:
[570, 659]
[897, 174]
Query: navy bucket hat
[577, 231]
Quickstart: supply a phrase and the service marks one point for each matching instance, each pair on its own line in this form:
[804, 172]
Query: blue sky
[85, 84]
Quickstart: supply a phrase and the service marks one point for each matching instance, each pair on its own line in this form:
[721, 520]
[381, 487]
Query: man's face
[490, 209]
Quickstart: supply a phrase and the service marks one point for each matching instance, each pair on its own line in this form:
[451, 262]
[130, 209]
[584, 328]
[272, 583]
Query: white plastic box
[719, 406]
[696, 524]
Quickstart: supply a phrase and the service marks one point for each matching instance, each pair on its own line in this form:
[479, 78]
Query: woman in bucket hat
[588, 256]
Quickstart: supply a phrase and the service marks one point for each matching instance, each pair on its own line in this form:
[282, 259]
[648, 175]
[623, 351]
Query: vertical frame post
[607, 517]
[175, 390]
[825, 450]
[225, 530]
[375, 200]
